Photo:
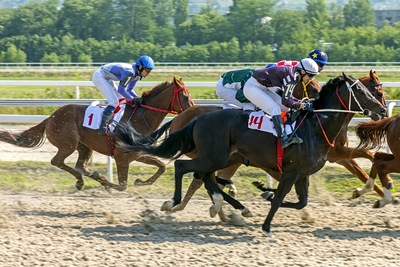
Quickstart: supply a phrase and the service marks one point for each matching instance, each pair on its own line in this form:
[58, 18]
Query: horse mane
[373, 134]
[156, 90]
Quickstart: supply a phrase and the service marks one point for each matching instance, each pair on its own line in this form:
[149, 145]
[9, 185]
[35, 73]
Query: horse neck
[328, 124]
[146, 121]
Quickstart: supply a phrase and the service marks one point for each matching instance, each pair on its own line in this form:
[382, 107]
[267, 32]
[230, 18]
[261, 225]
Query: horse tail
[373, 134]
[33, 137]
[172, 147]
[130, 136]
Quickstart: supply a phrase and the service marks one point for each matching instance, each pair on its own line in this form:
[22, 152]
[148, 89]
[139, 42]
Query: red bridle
[175, 96]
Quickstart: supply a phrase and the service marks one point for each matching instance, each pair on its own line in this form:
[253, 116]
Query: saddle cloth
[94, 113]
[258, 120]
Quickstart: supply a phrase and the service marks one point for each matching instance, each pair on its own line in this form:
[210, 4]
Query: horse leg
[301, 187]
[369, 183]
[385, 164]
[285, 185]
[193, 187]
[227, 174]
[213, 188]
[84, 155]
[58, 161]
[181, 167]
[150, 160]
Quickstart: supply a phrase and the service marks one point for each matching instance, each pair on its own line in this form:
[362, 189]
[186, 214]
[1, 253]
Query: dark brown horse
[373, 136]
[64, 130]
[340, 153]
[216, 135]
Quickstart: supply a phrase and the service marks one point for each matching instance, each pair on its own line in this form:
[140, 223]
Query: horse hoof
[268, 233]
[108, 189]
[356, 193]
[232, 193]
[94, 175]
[247, 213]
[79, 186]
[268, 195]
[396, 201]
[391, 185]
[138, 182]
[377, 205]
[213, 212]
[167, 206]
[223, 218]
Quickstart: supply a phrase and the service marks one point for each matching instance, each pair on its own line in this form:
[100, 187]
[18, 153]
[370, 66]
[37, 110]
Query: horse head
[352, 96]
[310, 90]
[373, 83]
[170, 97]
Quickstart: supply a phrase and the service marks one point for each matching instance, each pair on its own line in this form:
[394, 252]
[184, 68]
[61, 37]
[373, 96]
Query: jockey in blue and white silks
[117, 80]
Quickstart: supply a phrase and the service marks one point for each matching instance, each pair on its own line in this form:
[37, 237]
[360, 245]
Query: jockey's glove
[137, 101]
[307, 106]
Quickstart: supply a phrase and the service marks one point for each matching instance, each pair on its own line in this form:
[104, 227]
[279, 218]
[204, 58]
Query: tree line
[252, 31]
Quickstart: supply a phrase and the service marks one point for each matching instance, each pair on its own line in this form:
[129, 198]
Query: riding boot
[280, 129]
[108, 111]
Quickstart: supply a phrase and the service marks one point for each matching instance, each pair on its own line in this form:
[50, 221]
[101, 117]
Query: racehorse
[339, 153]
[373, 136]
[215, 136]
[64, 129]
[309, 90]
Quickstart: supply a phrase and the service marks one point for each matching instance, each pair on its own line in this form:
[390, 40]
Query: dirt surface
[96, 228]
[93, 228]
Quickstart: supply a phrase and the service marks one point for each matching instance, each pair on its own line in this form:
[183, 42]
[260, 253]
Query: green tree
[164, 32]
[181, 13]
[32, 18]
[202, 29]
[12, 54]
[247, 17]
[358, 13]
[336, 18]
[317, 15]
[287, 25]
[137, 19]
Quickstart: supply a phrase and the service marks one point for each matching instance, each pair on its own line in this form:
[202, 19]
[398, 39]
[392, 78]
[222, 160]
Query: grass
[42, 177]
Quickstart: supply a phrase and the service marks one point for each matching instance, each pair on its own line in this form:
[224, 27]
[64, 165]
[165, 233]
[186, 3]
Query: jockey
[107, 76]
[319, 56]
[271, 90]
[230, 88]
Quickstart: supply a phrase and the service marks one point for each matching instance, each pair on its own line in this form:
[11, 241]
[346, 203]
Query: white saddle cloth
[258, 120]
[94, 113]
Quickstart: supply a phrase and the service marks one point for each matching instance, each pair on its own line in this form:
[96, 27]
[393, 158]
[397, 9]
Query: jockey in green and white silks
[230, 88]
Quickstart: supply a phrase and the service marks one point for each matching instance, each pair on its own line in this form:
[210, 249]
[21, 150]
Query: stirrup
[285, 142]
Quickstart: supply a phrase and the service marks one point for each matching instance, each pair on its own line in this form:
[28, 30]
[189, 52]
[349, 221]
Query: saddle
[94, 112]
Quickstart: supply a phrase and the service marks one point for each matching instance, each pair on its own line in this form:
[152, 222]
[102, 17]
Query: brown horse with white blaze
[64, 129]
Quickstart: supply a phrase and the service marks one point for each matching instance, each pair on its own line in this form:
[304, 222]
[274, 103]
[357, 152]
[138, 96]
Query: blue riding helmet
[319, 56]
[145, 61]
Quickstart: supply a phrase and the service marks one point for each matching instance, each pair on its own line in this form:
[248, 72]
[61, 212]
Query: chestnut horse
[373, 136]
[216, 135]
[340, 153]
[64, 129]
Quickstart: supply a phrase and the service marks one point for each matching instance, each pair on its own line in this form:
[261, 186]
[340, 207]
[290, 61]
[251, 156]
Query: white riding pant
[264, 97]
[107, 87]
[228, 92]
